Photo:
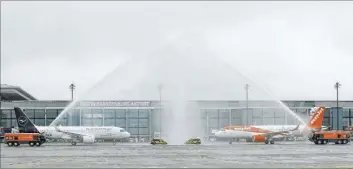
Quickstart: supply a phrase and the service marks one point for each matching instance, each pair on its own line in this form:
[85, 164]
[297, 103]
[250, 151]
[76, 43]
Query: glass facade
[338, 119]
[143, 122]
[347, 117]
[218, 118]
[38, 116]
[135, 121]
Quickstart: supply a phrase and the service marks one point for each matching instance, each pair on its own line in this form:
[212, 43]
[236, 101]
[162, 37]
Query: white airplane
[267, 133]
[84, 134]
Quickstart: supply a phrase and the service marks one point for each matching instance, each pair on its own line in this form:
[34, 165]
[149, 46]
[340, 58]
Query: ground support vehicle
[15, 139]
[193, 141]
[158, 141]
[324, 137]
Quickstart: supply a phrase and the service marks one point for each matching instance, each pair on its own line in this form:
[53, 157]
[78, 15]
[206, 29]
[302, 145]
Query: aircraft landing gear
[73, 143]
[269, 141]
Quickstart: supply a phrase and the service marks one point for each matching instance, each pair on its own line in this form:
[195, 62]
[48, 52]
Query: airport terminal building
[142, 118]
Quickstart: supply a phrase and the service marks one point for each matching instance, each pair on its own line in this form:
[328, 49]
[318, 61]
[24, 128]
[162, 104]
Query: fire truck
[15, 139]
[324, 137]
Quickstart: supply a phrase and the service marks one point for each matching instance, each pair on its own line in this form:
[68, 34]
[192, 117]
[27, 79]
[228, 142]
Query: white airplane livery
[267, 133]
[84, 134]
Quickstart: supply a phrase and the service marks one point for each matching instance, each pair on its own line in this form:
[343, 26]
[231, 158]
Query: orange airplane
[267, 133]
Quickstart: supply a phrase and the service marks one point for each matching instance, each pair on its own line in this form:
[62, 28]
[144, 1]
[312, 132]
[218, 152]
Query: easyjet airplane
[267, 133]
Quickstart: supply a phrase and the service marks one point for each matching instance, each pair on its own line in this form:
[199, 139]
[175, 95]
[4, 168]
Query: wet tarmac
[300, 154]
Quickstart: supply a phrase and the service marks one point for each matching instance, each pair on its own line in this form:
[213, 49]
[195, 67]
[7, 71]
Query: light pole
[337, 86]
[247, 100]
[72, 88]
[160, 109]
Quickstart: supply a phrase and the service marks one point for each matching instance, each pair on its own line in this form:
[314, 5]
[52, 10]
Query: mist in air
[271, 41]
[181, 71]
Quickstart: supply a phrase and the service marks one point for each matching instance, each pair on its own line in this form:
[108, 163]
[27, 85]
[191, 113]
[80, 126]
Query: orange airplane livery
[267, 133]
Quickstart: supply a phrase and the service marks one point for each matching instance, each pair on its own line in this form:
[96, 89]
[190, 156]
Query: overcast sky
[296, 50]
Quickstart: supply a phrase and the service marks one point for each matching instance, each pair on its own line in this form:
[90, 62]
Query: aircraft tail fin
[316, 119]
[25, 125]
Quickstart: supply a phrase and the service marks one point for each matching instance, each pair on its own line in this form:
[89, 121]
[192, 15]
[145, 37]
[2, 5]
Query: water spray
[73, 103]
[268, 92]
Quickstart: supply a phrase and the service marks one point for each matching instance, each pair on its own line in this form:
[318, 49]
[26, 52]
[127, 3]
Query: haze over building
[141, 118]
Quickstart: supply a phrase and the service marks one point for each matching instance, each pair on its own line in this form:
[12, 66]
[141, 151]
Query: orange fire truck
[15, 139]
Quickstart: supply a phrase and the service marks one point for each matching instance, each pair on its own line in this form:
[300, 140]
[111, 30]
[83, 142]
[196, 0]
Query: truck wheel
[31, 144]
[325, 141]
[10, 144]
[344, 141]
[15, 144]
[272, 142]
[38, 144]
[340, 141]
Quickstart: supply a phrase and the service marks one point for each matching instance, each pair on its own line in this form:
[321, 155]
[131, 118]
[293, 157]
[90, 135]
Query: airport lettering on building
[120, 104]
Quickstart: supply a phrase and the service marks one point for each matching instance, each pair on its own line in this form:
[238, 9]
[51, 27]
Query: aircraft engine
[88, 139]
[315, 129]
[258, 138]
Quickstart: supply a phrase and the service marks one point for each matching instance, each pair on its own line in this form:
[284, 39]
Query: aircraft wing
[271, 134]
[71, 134]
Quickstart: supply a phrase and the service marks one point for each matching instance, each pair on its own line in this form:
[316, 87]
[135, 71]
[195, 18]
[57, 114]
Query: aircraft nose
[218, 133]
[127, 134]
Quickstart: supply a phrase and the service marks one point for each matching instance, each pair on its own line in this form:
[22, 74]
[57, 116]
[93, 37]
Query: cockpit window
[122, 130]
